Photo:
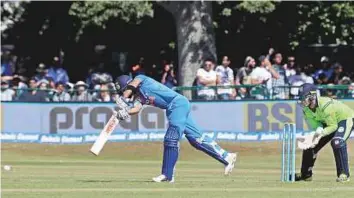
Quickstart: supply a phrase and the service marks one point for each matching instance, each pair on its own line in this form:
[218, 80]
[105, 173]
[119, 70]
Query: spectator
[103, 95]
[69, 87]
[45, 87]
[206, 77]
[306, 74]
[225, 77]
[88, 80]
[81, 94]
[19, 85]
[113, 92]
[296, 81]
[57, 73]
[154, 72]
[34, 94]
[330, 92]
[60, 94]
[6, 67]
[290, 67]
[100, 76]
[42, 72]
[279, 83]
[338, 74]
[270, 53]
[262, 75]
[323, 74]
[243, 75]
[168, 77]
[7, 94]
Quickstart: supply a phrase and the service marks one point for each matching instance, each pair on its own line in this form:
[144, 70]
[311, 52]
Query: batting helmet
[122, 82]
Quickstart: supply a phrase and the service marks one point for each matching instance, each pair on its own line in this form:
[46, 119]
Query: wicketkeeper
[143, 90]
[333, 122]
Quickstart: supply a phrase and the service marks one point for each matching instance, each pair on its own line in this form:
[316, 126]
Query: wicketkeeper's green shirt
[329, 112]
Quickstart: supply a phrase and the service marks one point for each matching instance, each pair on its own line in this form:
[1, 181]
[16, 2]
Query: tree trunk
[195, 37]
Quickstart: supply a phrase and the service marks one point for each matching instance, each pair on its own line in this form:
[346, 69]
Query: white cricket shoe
[162, 178]
[231, 159]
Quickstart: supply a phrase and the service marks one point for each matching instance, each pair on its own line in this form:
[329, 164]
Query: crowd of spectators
[267, 77]
[51, 83]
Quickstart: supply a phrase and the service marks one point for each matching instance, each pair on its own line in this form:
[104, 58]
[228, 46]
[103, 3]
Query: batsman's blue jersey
[154, 93]
[180, 122]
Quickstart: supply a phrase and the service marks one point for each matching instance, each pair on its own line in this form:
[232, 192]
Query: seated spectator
[338, 74]
[103, 95]
[41, 72]
[57, 73]
[225, 77]
[306, 74]
[290, 67]
[7, 94]
[206, 77]
[323, 74]
[279, 83]
[45, 87]
[262, 75]
[168, 77]
[331, 93]
[243, 75]
[100, 76]
[113, 92]
[295, 82]
[81, 94]
[33, 94]
[69, 87]
[60, 94]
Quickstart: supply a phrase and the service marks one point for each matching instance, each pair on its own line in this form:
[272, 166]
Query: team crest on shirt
[340, 129]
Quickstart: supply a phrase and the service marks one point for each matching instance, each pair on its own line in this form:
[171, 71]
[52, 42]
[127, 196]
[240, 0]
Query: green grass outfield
[125, 170]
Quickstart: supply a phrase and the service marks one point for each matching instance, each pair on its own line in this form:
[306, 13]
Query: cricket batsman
[333, 122]
[143, 90]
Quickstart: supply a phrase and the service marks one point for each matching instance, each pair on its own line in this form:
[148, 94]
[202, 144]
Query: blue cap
[122, 82]
[306, 89]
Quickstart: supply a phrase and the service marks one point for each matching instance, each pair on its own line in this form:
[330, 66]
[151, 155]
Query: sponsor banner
[50, 139]
[90, 118]
[23, 137]
[83, 118]
[138, 137]
[8, 137]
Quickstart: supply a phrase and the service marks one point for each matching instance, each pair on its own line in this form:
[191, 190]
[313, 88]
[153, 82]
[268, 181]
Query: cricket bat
[105, 133]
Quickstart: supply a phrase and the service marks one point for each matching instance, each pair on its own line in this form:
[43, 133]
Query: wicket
[288, 138]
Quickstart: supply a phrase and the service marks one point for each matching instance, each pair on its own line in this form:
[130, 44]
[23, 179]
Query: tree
[11, 13]
[98, 13]
[194, 25]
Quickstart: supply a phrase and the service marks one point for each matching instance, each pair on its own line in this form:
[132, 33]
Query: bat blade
[105, 133]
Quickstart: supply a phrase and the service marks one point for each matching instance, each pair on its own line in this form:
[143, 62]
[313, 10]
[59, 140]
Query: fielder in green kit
[333, 122]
